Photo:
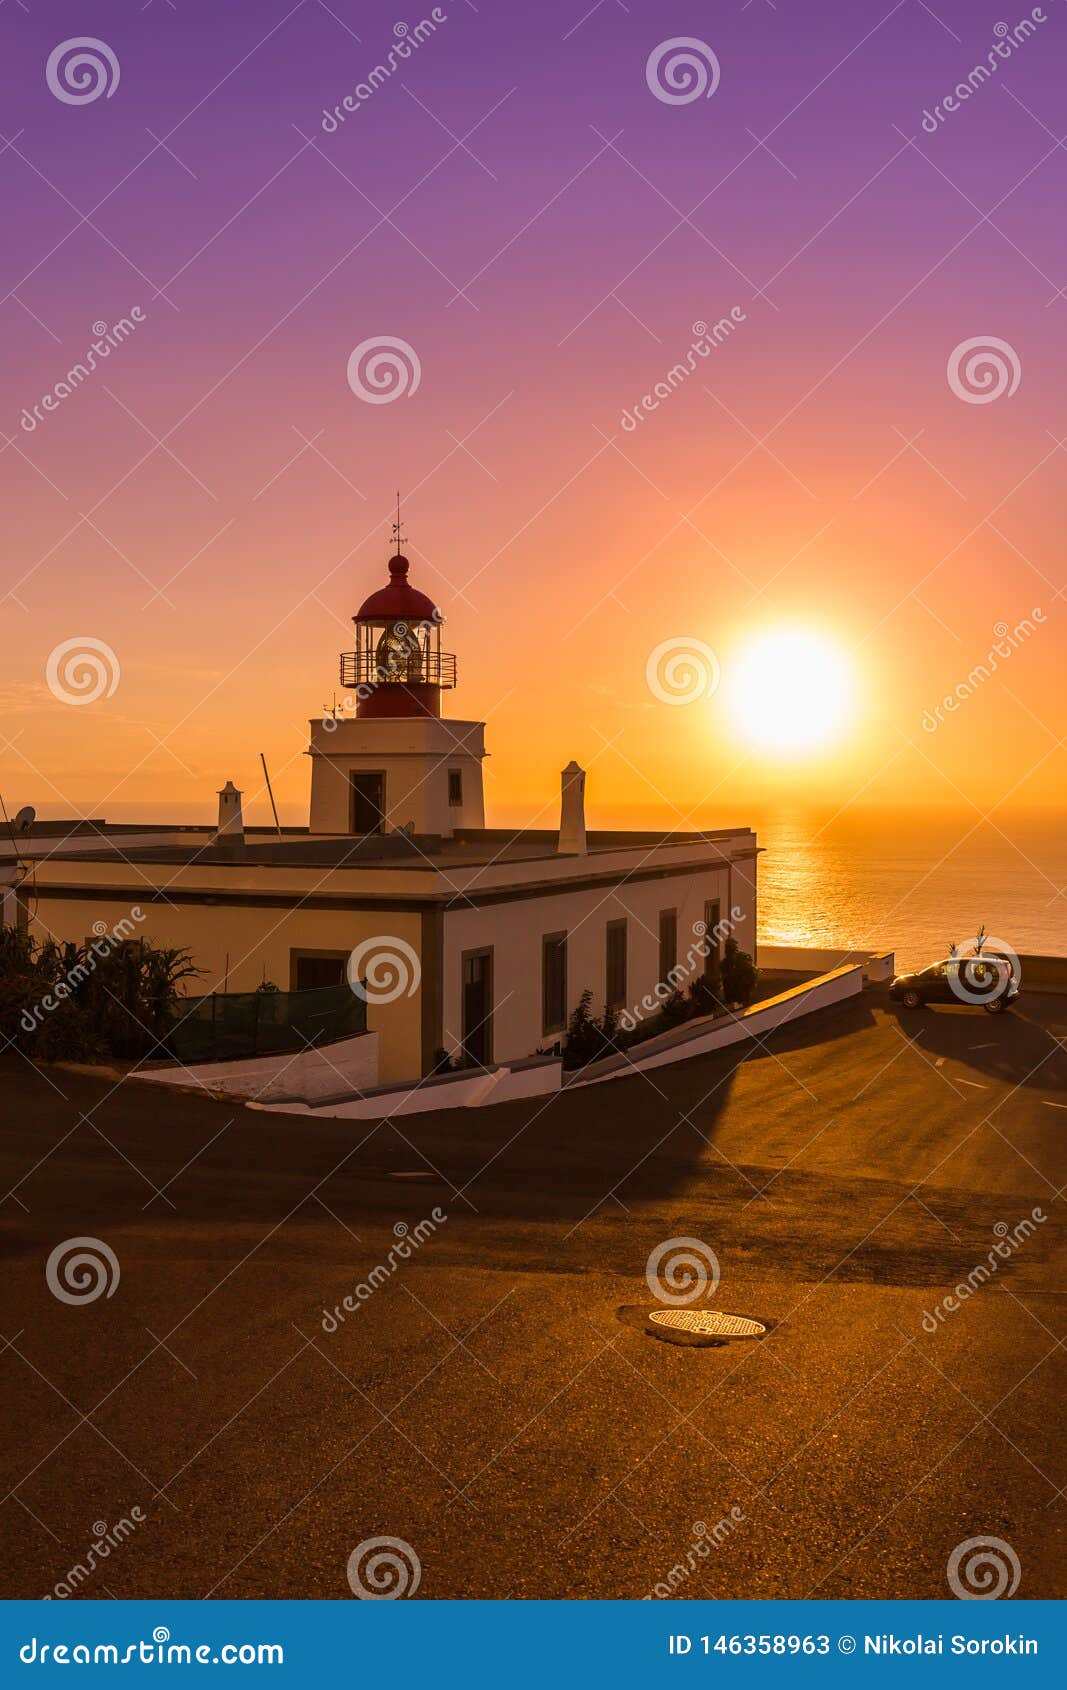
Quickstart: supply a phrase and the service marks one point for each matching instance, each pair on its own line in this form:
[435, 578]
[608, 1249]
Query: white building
[493, 933]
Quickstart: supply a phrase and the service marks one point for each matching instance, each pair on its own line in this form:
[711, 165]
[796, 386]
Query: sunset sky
[519, 206]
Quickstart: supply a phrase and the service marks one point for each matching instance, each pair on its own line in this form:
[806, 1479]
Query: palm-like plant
[117, 1004]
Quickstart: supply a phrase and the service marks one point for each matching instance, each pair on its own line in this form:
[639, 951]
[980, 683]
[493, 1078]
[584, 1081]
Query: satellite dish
[25, 819]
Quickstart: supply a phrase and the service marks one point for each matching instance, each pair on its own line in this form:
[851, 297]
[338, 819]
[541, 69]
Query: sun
[791, 690]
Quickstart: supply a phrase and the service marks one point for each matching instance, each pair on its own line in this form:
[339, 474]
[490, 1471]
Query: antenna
[21, 823]
[270, 795]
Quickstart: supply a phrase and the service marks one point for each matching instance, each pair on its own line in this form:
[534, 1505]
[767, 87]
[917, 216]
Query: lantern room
[398, 668]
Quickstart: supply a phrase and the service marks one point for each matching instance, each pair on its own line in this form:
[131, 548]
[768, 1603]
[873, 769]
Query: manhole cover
[708, 1323]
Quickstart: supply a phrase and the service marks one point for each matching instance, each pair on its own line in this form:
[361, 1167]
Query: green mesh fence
[230, 1025]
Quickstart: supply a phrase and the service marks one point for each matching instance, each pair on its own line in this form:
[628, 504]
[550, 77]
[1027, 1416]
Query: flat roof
[90, 827]
[468, 848]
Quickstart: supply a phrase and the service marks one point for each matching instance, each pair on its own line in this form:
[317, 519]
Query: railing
[231, 1026]
[435, 669]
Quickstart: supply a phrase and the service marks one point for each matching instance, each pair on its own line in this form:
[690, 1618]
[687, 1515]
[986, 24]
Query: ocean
[912, 881]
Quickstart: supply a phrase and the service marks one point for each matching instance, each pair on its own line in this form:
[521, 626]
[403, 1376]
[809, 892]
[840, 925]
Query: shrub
[674, 1010]
[589, 1039]
[119, 1003]
[450, 1062]
[584, 1042]
[612, 1038]
[739, 974]
[705, 993]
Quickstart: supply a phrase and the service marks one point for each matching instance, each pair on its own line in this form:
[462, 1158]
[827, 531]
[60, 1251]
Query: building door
[478, 1007]
[367, 801]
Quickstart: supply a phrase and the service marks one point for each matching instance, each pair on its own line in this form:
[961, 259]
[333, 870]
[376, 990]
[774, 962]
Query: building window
[455, 788]
[711, 939]
[477, 1006]
[668, 942]
[553, 982]
[616, 964]
[367, 787]
[310, 971]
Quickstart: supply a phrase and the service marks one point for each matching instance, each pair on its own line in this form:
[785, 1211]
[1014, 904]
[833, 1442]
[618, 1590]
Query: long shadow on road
[585, 1181]
[1022, 1047]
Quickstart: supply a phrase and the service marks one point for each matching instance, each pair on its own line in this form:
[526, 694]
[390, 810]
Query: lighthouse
[387, 759]
[398, 668]
[488, 938]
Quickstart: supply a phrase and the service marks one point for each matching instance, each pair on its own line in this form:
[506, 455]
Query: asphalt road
[496, 1402]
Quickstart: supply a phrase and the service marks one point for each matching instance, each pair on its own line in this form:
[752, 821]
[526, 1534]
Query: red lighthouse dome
[399, 601]
[398, 667]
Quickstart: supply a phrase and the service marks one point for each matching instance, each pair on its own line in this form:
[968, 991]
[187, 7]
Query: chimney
[572, 812]
[231, 827]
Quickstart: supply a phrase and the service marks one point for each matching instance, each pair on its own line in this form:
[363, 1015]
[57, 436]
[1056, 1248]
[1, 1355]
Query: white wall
[463, 1090]
[515, 931]
[878, 965]
[696, 1038]
[323, 1071]
[415, 754]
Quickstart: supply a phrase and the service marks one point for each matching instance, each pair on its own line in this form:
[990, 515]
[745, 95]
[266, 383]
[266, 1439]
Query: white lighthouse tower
[389, 760]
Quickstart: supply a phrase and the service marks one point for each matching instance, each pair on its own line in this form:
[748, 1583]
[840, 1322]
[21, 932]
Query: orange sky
[215, 503]
[552, 641]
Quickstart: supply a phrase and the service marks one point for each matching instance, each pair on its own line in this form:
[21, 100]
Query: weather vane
[398, 535]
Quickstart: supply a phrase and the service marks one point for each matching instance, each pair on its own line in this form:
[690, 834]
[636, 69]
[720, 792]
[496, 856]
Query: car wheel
[997, 1007]
[911, 999]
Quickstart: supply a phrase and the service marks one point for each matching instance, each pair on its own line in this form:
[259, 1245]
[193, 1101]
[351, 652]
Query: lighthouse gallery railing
[428, 668]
